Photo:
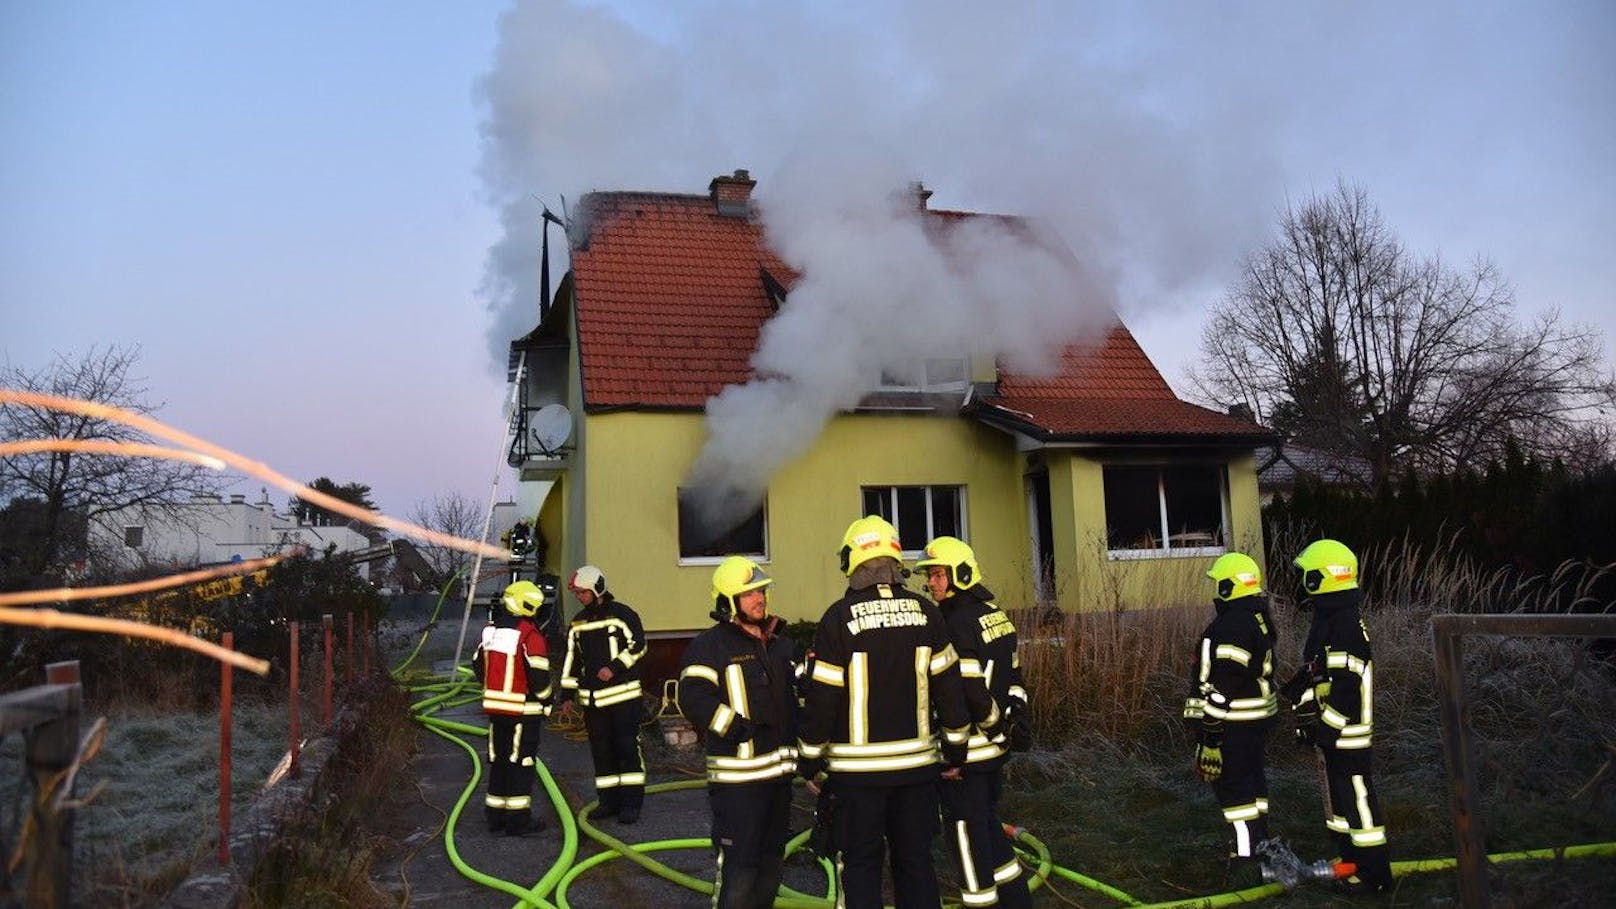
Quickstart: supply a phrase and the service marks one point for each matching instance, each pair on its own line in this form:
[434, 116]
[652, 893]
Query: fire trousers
[512, 743]
[1242, 788]
[1353, 813]
[751, 822]
[990, 875]
[872, 819]
[614, 743]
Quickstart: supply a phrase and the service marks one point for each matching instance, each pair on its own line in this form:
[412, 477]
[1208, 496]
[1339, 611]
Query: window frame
[761, 557]
[961, 503]
[1167, 550]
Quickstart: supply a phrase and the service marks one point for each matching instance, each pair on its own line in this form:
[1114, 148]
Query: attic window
[934, 374]
[1166, 510]
[134, 535]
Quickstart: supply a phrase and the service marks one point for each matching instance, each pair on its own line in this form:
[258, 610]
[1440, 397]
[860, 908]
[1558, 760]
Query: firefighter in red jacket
[985, 639]
[884, 715]
[738, 685]
[514, 668]
[1232, 701]
[605, 642]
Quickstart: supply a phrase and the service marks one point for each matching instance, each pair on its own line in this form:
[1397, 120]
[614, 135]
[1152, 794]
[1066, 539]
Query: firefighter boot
[496, 819]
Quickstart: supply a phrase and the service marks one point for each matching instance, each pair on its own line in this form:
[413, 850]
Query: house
[212, 530]
[1094, 488]
[1287, 465]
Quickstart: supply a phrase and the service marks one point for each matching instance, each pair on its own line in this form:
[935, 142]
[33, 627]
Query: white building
[211, 530]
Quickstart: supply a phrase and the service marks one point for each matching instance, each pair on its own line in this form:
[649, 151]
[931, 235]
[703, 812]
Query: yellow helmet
[733, 577]
[957, 556]
[1328, 566]
[523, 598]
[867, 538]
[1236, 575]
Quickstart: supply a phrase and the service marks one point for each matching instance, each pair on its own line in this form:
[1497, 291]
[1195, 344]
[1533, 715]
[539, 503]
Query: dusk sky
[319, 221]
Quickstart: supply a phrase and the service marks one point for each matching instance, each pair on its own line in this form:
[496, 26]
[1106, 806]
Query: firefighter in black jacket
[1232, 699]
[883, 675]
[605, 642]
[1333, 697]
[990, 668]
[512, 664]
[738, 685]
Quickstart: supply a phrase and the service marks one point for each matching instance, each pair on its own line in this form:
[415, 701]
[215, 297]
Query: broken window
[709, 533]
[1159, 508]
[920, 513]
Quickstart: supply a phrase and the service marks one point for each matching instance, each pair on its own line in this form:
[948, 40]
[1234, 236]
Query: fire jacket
[1341, 672]
[1233, 676]
[742, 693]
[990, 667]
[882, 665]
[513, 664]
[606, 633]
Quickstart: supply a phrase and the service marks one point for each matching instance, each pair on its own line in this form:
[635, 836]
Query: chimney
[921, 194]
[1242, 412]
[732, 195]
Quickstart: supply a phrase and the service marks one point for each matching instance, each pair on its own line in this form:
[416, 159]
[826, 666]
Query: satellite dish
[551, 428]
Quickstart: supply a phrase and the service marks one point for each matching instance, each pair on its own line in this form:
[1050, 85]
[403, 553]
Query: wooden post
[50, 748]
[1462, 793]
[296, 699]
[325, 697]
[225, 678]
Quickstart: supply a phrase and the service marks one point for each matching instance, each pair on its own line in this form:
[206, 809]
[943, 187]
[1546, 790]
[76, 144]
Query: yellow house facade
[1092, 489]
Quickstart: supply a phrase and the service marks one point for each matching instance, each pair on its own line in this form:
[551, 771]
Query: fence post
[51, 748]
[325, 697]
[295, 701]
[225, 679]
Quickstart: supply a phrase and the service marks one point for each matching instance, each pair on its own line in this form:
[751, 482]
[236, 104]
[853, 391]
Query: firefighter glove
[1020, 723]
[1291, 692]
[740, 730]
[1209, 762]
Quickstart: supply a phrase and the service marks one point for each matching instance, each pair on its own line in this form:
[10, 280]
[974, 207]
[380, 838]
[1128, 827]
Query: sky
[319, 222]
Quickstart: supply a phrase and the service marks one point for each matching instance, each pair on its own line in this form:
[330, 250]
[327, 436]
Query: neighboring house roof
[1291, 462]
[672, 291]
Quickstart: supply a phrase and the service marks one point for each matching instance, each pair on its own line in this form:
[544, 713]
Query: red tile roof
[671, 300]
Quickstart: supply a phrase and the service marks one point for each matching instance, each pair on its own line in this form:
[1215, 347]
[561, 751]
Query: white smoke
[1060, 113]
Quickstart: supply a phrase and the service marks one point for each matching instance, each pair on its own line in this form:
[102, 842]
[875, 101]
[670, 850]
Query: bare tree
[66, 492]
[1340, 339]
[453, 514]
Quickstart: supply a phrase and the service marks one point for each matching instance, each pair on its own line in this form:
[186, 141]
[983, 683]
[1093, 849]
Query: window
[1155, 509]
[945, 374]
[920, 513]
[134, 535]
[700, 540]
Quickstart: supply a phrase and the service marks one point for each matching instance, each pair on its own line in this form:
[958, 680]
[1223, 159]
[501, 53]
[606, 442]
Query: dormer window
[927, 375]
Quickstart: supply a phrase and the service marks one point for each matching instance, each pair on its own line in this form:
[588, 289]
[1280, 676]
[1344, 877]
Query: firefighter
[605, 642]
[1233, 703]
[990, 669]
[885, 681]
[513, 666]
[737, 684]
[1332, 695]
